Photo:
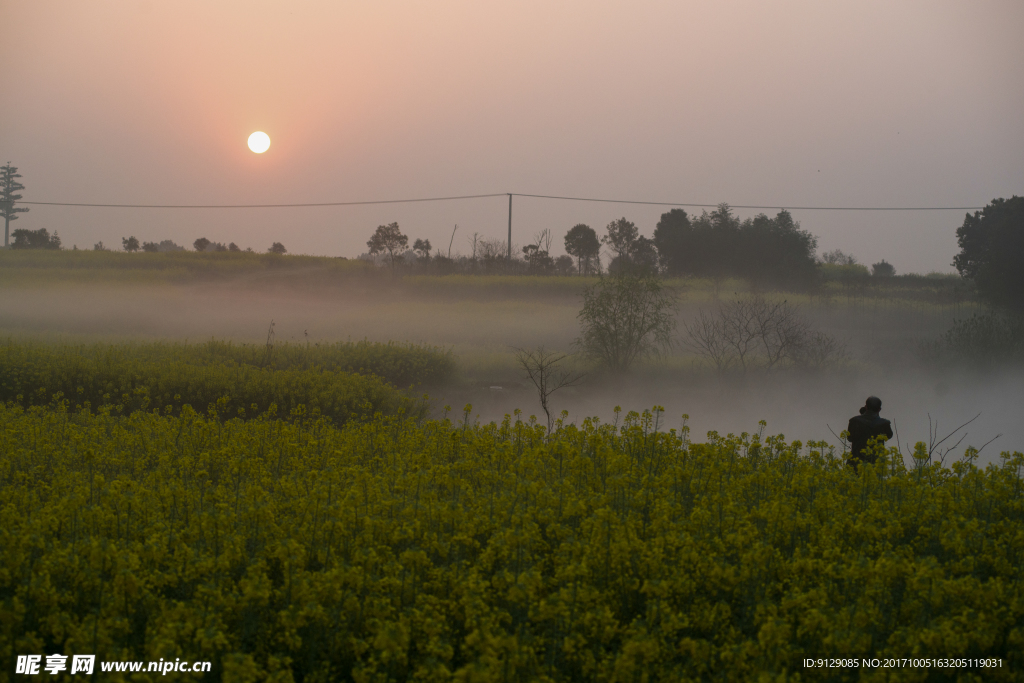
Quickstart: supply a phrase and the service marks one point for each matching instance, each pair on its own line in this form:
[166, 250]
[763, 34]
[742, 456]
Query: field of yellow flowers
[340, 381]
[397, 550]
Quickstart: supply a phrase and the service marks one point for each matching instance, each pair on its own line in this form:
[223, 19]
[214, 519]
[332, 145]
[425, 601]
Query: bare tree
[543, 240]
[705, 336]
[542, 367]
[491, 249]
[759, 331]
[740, 328]
[822, 350]
[781, 332]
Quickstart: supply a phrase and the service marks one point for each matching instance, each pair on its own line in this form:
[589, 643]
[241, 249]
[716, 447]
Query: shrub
[983, 339]
[624, 319]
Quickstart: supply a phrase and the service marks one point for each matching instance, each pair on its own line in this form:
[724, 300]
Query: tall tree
[992, 250]
[130, 244]
[388, 239]
[9, 187]
[582, 243]
[673, 239]
[621, 237]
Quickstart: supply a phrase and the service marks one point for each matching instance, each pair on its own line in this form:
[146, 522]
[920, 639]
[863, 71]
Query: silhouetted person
[864, 427]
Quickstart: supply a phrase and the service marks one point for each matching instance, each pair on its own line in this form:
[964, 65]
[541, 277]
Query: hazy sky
[781, 103]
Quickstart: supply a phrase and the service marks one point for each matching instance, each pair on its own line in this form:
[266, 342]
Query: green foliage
[624, 319]
[133, 377]
[883, 269]
[581, 243]
[18, 267]
[845, 273]
[9, 196]
[765, 251]
[34, 239]
[991, 247]
[393, 551]
[982, 339]
[388, 239]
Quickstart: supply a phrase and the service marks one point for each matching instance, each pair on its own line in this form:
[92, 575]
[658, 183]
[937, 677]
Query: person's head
[873, 404]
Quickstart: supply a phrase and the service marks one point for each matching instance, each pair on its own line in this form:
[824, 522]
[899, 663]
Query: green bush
[984, 339]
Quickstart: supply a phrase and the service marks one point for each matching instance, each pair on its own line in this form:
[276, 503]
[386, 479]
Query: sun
[259, 142]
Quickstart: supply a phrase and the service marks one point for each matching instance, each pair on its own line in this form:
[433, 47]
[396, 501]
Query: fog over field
[481, 328]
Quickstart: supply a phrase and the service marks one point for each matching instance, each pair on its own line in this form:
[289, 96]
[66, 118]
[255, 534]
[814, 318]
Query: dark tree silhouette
[672, 237]
[201, 244]
[422, 248]
[388, 239]
[883, 269]
[837, 257]
[581, 242]
[130, 244]
[621, 237]
[35, 239]
[563, 265]
[762, 250]
[150, 247]
[991, 250]
[277, 248]
[233, 247]
[538, 261]
[9, 187]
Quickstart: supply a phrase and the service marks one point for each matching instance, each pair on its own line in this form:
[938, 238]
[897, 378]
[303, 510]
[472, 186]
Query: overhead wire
[504, 194]
[757, 206]
[265, 206]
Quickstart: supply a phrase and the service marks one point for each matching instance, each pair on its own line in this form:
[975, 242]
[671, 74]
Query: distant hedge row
[339, 381]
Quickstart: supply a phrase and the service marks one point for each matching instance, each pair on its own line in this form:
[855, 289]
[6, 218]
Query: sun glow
[259, 142]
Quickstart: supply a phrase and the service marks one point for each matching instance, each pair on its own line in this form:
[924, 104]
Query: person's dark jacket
[863, 427]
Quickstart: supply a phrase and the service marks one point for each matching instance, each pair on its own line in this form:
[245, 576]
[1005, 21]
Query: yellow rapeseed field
[396, 550]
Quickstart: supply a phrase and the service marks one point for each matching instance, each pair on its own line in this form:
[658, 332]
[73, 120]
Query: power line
[263, 206]
[755, 206]
[504, 194]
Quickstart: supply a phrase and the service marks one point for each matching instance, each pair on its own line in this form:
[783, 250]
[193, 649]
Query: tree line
[770, 251]
[767, 251]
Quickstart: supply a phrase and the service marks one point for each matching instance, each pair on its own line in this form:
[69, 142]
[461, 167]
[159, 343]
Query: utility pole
[510, 229]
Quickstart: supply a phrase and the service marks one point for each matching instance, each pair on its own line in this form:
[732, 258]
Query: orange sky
[794, 103]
